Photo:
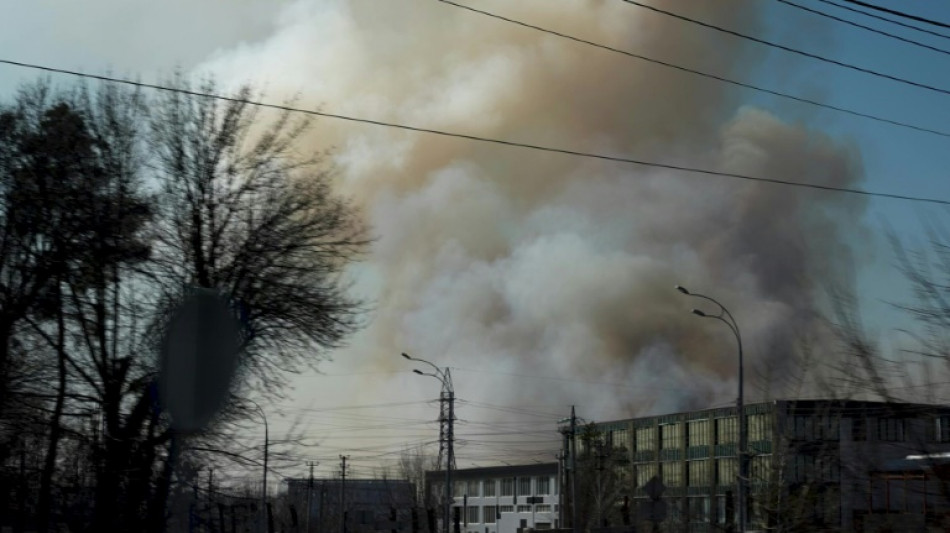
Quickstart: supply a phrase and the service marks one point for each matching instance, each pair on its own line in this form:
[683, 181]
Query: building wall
[502, 499]
[367, 502]
[492, 504]
[812, 458]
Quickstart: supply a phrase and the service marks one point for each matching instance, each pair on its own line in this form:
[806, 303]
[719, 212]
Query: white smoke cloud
[514, 263]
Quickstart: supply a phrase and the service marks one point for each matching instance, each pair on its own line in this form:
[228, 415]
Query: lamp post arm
[438, 377]
[723, 312]
[437, 369]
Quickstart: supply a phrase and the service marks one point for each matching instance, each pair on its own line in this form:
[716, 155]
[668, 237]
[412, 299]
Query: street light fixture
[446, 440]
[726, 318]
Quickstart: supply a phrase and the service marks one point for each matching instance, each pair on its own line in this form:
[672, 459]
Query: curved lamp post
[726, 318]
[446, 416]
[264, 485]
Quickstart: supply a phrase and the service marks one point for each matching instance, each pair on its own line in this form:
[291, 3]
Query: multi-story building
[811, 464]
[500, 499]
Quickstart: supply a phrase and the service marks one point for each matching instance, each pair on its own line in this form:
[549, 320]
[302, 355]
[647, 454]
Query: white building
[501, 499]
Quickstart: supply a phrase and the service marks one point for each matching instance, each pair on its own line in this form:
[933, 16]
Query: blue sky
[896, 160]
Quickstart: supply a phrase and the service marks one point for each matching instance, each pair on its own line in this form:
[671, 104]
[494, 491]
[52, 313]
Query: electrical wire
[900, 13]
[564, 151]
[705, 74]
[885, 19]
[862, 26]
[791, 50]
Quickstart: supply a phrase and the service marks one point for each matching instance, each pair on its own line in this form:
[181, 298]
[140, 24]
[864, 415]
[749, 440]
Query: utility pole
[309, 496]
[448, 398]
[560, 489]
[446, 435]
[569, 451]
[601, 456]
[343, 492]
[573, 470]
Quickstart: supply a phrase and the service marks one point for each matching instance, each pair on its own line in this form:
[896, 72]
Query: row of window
[489, 514]
[703, 472]
[490, 487]
[701, 433]
[725, 430]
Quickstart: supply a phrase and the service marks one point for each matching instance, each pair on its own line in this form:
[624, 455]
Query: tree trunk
[156, 506]
[6, 334]
[55, 430]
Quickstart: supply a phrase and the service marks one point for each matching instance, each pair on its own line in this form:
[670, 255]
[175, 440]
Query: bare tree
[242, 212]
[413, 465]
[100, 236]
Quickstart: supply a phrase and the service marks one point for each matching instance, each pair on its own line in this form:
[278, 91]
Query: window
[542, 508]
[941, 429]
[472, 488]
[524, 508]
[700, 473]
[645, 473]
[808, 468]
[725, 509]
[646, 439]
[699, 509]
[671, 436]
[544, 486]
[859, 428]
[726, 430]
[759, 427]
[489, 514]
[698, 433]
[622, 473]
[726, 471]
[506, 508]
[760, 468]
[829, 428]
[508, 486]
[489, 487]
[806, 427]
[890, 429]
[619, 439]
[472, 515]
[671, 473]
[524, 486]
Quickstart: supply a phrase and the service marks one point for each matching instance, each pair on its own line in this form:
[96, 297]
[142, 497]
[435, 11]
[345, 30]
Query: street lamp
[446, 418]
[264, 483]
[722, 316]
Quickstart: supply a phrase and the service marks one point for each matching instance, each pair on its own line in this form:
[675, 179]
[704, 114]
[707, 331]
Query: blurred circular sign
[199, 354]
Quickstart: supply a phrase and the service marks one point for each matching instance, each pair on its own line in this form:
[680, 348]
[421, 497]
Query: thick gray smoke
[509, 261]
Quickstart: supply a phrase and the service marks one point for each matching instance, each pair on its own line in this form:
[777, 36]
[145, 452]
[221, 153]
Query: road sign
[198, 356]
[535, 499]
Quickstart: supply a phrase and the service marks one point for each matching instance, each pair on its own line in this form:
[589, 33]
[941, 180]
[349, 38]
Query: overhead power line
[502, 142]
[900, 14]
[862, 26]
[885, 19]
[701, 73]
[796, 51]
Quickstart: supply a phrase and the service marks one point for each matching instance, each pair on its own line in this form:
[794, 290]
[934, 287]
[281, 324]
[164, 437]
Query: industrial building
[500, 499]
[813, 465]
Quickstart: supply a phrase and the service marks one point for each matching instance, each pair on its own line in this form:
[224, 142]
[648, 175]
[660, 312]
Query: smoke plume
[508, 262]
